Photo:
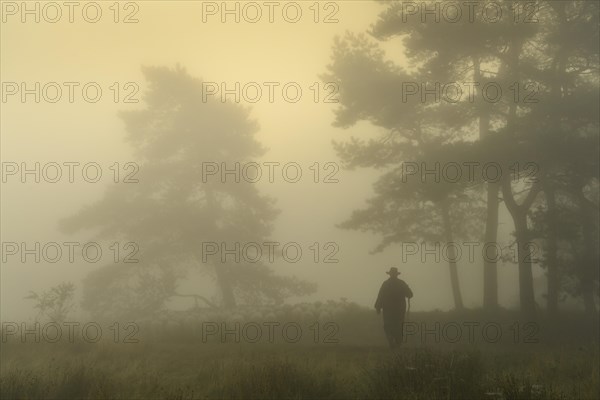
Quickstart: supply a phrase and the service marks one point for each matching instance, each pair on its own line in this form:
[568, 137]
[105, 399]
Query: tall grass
[172, 363]
[297, 372]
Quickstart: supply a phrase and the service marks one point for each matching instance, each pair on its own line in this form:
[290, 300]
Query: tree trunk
[558, 92]
[551, 253]
[222, 270]
[524, 249]
[519, 212]
[224, 282]
[560, 65]
[458, 303]
[588, 264]
[490, 272]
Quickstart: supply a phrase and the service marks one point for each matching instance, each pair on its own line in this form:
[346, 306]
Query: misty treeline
[171, 212]
[545, 139]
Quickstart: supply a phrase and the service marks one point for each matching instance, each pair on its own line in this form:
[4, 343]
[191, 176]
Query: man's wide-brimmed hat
[393, 272]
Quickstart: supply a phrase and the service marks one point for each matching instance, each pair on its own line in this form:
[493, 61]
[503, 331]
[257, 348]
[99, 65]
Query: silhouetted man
[392, 299]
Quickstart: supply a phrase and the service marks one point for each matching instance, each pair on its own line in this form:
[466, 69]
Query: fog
[328, 199]
[168, 36]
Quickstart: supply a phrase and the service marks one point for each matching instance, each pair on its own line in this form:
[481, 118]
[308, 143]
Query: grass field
[175, 363]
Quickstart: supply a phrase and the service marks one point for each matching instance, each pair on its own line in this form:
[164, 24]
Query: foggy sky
[171, 33]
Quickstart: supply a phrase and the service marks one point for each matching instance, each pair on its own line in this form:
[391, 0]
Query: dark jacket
[392, 297]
